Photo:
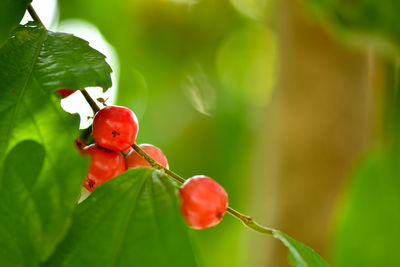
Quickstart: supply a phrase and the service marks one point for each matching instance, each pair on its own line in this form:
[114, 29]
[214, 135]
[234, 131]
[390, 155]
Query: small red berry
[204, 202]
[115, 128]
[134, 160]
[104, 165]
[65, 92]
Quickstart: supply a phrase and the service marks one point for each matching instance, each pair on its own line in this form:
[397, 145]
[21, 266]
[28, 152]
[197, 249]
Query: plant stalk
[90, 101]
[34, 15]
[246, 220]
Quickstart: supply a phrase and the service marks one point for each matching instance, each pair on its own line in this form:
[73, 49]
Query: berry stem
[246, 220]
[249, 222]
[156, 165]
[90, 101]
[34, 15]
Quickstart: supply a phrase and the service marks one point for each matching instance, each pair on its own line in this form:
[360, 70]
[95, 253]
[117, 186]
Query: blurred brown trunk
[318, 122]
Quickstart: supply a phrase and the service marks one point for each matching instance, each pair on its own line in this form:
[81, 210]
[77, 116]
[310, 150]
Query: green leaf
[36, 200]
[34, 63]
[17, 208]
[367, 232]
[132, 220]
[300, 255]
[11, 13]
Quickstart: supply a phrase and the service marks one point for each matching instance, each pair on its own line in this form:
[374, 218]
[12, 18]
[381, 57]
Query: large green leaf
[132, 220]
[36, 200]
[34, 63]
[368, 231]
[11, 13]
[299, 254]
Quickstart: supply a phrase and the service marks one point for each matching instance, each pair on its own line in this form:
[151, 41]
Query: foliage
[300, 255]
[367, 214]
[131, 220]
[364, 20]
[37, 195]
[367, 211]
[11, 12]
[34, 63]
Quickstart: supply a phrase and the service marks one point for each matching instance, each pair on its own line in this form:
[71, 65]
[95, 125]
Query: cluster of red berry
[114, 130]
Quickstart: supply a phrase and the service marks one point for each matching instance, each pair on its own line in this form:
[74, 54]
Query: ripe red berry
[204, 202]
[104, 165]
[115, 128]
[65, 92]
[134, 160]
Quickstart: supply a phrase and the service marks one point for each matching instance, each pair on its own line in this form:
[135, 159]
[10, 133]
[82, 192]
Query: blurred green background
[290, 105]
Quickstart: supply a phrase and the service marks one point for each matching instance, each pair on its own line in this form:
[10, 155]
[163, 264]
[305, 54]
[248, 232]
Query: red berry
[134, 160]
[115, 128]
[204, 202]
[65, 92]
[104, 165]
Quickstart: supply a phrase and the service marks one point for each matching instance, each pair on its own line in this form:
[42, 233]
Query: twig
[248, 221]
[90, 101]
[34, 15]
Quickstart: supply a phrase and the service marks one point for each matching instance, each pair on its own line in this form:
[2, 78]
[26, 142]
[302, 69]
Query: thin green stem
[156, 165]
[34, 15]
[250, 223]
[246, 220]
[146, 156]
